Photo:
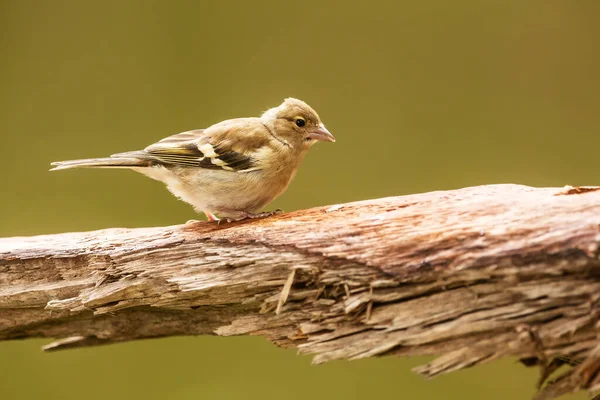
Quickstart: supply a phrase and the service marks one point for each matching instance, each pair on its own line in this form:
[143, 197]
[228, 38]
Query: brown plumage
[233, 168]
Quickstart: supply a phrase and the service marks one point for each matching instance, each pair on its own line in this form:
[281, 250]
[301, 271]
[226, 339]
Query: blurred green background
[420, 95]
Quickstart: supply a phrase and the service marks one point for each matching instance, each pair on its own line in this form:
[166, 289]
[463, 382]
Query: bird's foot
[242, 215]
[264, 214]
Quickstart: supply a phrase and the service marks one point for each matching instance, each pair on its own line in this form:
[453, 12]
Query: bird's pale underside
[231, 169]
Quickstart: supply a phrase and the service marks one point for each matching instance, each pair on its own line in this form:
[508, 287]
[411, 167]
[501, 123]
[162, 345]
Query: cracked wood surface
[469, 275]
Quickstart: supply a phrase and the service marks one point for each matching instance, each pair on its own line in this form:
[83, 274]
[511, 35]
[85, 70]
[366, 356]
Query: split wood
[469, 275]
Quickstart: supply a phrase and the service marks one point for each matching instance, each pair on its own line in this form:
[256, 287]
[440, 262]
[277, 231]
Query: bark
[469, 275]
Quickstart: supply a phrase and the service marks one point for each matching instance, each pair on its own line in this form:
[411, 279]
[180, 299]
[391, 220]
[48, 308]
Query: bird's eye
[300, 122]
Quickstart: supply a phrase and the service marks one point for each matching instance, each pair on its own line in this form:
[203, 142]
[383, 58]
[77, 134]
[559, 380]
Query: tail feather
[122, 160]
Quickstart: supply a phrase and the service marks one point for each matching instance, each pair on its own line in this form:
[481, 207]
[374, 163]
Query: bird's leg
[211, 216]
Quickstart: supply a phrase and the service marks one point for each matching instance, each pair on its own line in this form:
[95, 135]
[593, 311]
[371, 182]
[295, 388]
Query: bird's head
[297, 124]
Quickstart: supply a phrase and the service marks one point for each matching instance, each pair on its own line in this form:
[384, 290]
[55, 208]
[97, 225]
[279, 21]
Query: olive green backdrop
[420, 95]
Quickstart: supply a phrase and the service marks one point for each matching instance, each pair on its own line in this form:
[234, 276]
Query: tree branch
[471, 275]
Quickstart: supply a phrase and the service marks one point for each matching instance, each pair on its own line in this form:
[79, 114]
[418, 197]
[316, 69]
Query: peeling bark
[470, 275]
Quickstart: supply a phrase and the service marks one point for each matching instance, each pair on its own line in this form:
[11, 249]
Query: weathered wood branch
[471, 275]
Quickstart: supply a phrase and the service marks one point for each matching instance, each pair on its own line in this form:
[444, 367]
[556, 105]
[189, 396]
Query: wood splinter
[285, 291]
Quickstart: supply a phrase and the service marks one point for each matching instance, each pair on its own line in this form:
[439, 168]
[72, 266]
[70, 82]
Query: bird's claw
[265, 214]
[247, 215]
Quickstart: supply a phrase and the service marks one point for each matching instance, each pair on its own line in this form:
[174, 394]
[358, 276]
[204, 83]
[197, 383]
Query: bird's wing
[230, 145]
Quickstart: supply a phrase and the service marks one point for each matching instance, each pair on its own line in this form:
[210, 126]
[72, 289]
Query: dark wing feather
[234, 160]
[196, 149]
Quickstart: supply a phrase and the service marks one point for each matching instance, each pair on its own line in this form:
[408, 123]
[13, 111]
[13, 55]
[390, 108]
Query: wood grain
[469, 275]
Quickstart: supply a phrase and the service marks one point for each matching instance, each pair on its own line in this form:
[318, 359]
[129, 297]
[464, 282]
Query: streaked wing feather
[183, 136]
[183, 150]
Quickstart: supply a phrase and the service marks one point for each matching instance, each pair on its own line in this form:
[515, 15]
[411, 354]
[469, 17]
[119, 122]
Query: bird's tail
[130, 159]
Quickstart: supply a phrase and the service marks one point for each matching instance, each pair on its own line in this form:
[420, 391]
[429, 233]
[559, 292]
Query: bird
[231, 169]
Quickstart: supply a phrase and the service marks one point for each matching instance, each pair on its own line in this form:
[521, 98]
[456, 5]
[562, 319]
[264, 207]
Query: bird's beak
[321, 133]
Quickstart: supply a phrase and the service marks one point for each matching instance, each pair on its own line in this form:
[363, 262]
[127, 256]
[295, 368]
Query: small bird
[231, 169]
